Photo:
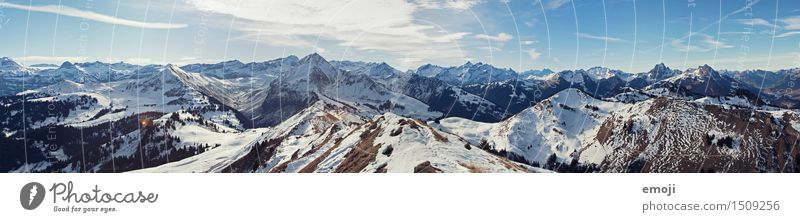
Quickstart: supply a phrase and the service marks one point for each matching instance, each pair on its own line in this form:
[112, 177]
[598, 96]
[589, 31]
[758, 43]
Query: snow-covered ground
[233, 145]
[565, 125]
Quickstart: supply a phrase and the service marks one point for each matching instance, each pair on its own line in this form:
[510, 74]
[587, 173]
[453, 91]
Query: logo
[31, 195]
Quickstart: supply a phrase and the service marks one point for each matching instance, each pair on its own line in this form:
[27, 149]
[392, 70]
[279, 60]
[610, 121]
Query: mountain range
[313, 115]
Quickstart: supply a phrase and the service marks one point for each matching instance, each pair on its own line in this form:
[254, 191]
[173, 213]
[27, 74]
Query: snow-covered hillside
[310, 115]
[651, 135]
[563, 125]
[315, 79]
[468, 73]
[329, 138]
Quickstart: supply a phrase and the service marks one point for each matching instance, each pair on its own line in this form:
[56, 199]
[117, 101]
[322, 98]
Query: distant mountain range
[313, 115]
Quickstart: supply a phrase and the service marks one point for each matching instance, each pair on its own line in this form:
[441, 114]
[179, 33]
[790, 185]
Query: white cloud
[460, 5]
[410, 60]
[706, 44]
[746, 7]
[72, 12]
[553, 4]
[490, 48]
[32, 60]
[604, 38]
[138, 61]
[534, 54]
[786, 23]
[57, 60]
[787, 34]
[388, 26]
[756, 21]
[791, 23]
[502, 37]
[778, 61]
[530, 24]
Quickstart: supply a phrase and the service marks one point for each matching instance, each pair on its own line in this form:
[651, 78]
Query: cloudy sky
[519, 34]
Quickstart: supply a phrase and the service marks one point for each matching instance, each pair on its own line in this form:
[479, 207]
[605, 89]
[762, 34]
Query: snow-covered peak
[660, 67]
[535, 73]
[659, 72]
[258, 72]
[429, 70]
[707, 70]
[701, 72]
[68, 65]
[469, 73]
[562, 126]
[104, 71]
[174, 71]
[315, 68]
[44, 66]
[313, 58]
[350, 66]
[377, 70]
[67, 70]
[233, 63]
[4, 60]
[599, 73]
[701, 81]
[8, 64]
[95, 63]
[61, 87]
[383, 70]
[571, 97]
[569, 76]
[291, 59]
[383, 65]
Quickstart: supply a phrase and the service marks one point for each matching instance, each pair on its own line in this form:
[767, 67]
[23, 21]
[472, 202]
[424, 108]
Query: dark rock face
[426, 167]
[279, 106]
[447, 99]
[781, 88]
[688, 137]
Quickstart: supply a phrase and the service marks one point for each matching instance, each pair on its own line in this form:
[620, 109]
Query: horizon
[413, 69]
[521, 35]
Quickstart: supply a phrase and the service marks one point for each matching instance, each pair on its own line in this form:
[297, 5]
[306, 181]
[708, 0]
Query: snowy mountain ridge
[313, 115]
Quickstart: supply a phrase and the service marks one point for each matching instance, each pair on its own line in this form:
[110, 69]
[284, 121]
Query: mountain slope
[315, 79]
[111, 127]
[311, 115]
[562, 125]
[700, 82]
[653, 135]
[777, 88]
[329, 138]
[678, 136]
[467, 74]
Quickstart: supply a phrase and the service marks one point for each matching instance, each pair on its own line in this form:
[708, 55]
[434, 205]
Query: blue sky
[520, 34]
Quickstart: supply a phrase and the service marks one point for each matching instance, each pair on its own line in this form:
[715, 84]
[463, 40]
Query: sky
[630, 35]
